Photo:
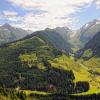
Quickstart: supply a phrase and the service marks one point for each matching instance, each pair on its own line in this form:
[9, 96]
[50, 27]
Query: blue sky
[40, 14]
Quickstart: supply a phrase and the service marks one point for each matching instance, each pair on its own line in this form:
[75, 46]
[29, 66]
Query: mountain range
[57, 62]
[65, 36]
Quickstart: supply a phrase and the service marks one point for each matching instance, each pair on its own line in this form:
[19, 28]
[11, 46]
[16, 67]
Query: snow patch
[86, 25]
[98, 22]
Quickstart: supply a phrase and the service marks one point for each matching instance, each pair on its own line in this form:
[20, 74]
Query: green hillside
[57, 39]
[39, 65]
[89, 57]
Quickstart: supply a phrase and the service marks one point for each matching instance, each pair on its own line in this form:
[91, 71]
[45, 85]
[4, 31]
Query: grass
[81, 70]
[68, 63]
[90, 92]
[88, 53]
[28, 58]
[28, 92]
[63, 62]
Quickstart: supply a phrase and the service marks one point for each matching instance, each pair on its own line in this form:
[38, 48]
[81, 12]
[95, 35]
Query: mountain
[68, 35]
[92, 48]
[65, 32]
[94, 45]
[89, 59]
[9, 33]
[81, 36]
[59, 38]
[35, 63]
[87, 32]
[40, 63]
[74, 41]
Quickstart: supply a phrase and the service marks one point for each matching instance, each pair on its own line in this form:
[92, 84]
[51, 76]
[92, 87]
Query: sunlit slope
[83, 70]
[32, 58]
[89, 57]
[25, 65]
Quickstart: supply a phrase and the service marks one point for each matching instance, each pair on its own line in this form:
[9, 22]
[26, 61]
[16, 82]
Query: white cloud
[98, 4]
[58, 12]
[11, 16]
[27, 4]
[10, 13]
[40, 22]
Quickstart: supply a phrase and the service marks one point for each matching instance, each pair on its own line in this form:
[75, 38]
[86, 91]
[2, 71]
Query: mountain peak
[48, 29]
[96, 20]
[90, 24]
[63, 28]
[6, 25]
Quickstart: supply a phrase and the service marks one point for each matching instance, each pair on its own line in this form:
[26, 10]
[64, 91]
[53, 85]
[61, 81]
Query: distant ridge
[9, 33]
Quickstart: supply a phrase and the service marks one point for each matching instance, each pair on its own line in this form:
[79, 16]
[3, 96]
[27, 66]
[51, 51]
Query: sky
[40, 14]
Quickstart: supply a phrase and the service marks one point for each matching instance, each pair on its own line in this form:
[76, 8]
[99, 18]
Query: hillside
[55, 38]
[94, 45]
[88, 31]
[92, 48]
[84, 34]
[33, 63]
[89, 57]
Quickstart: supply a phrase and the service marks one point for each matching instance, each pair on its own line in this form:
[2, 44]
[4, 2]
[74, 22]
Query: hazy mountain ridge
[93, 46]
[9, 33]
[84, 34]
[89, 30]
[54, 38]
[73, 39]
[59, 38]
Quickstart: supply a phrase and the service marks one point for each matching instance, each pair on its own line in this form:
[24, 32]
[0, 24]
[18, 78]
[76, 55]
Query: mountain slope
[25, 64]
[34, 63]
[92, 47]
[40, 62]
[84, 34]
[89, 57]
[9, 33]
[65, 32]
[89, 30]
[56, 39]
[59, 40]
[60, 36]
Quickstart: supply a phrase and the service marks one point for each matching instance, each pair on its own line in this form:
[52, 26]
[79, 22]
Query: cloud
[10, 13]
[58, 12]
[27, 4]
[9, 16]
[98, 4]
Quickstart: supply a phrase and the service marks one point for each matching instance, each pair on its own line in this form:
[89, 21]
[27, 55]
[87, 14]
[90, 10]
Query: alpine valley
[52, 64]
